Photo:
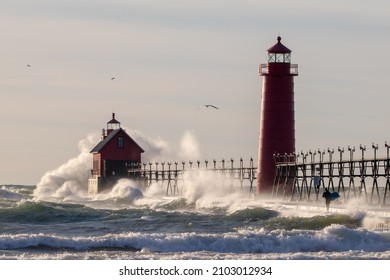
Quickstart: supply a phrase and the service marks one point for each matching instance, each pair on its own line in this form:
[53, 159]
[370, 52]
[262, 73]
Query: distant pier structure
[232, 176]
[277, 125]
[351, 172]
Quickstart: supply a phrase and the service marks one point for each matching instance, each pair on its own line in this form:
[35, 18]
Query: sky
[169, 58]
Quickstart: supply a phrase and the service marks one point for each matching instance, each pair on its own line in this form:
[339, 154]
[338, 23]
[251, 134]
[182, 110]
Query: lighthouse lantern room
[112, 156]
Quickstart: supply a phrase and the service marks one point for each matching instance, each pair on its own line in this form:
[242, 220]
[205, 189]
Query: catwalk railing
[304, 176]
[173, 175]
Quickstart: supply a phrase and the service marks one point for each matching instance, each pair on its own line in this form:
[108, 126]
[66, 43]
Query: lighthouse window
[279, 57]
[121, 142]
[287, 57]
[271, 57]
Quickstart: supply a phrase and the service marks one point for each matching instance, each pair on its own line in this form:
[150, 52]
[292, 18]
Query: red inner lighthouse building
[277, 125]
[112, 156]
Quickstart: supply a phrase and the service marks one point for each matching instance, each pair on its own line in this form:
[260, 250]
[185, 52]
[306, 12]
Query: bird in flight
[113, 78]
[28, 65]
[212, 106]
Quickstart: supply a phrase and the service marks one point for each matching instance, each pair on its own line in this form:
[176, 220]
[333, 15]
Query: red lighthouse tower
[277, 131]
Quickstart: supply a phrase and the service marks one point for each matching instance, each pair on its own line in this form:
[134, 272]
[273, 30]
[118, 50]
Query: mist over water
[200, 189]
[208, 219]
[68, 182]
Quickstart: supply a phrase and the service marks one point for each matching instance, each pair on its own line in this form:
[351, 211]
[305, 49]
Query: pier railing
[305, 175]
[171, 175]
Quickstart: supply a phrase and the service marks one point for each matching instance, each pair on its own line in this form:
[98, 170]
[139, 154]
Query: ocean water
[128, 223]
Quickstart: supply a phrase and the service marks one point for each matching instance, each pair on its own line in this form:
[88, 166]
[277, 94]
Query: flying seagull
[212, 106]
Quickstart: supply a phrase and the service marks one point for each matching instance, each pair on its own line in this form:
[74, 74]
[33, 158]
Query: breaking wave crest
[334, 238]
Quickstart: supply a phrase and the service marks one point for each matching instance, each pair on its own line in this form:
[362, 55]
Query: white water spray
[69, 181]
[203, 189]
[189, 148]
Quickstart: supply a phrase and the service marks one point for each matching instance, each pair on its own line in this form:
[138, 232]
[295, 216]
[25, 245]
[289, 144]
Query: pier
[233, 175]
[350, 172]
[353, 173]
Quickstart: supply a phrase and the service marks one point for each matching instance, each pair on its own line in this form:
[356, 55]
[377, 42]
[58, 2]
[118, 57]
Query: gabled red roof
[106, 140]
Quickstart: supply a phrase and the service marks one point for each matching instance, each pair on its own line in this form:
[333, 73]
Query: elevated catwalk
[235, 176]
[304, 177]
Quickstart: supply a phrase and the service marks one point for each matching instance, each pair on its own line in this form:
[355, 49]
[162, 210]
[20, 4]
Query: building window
[121, 142]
